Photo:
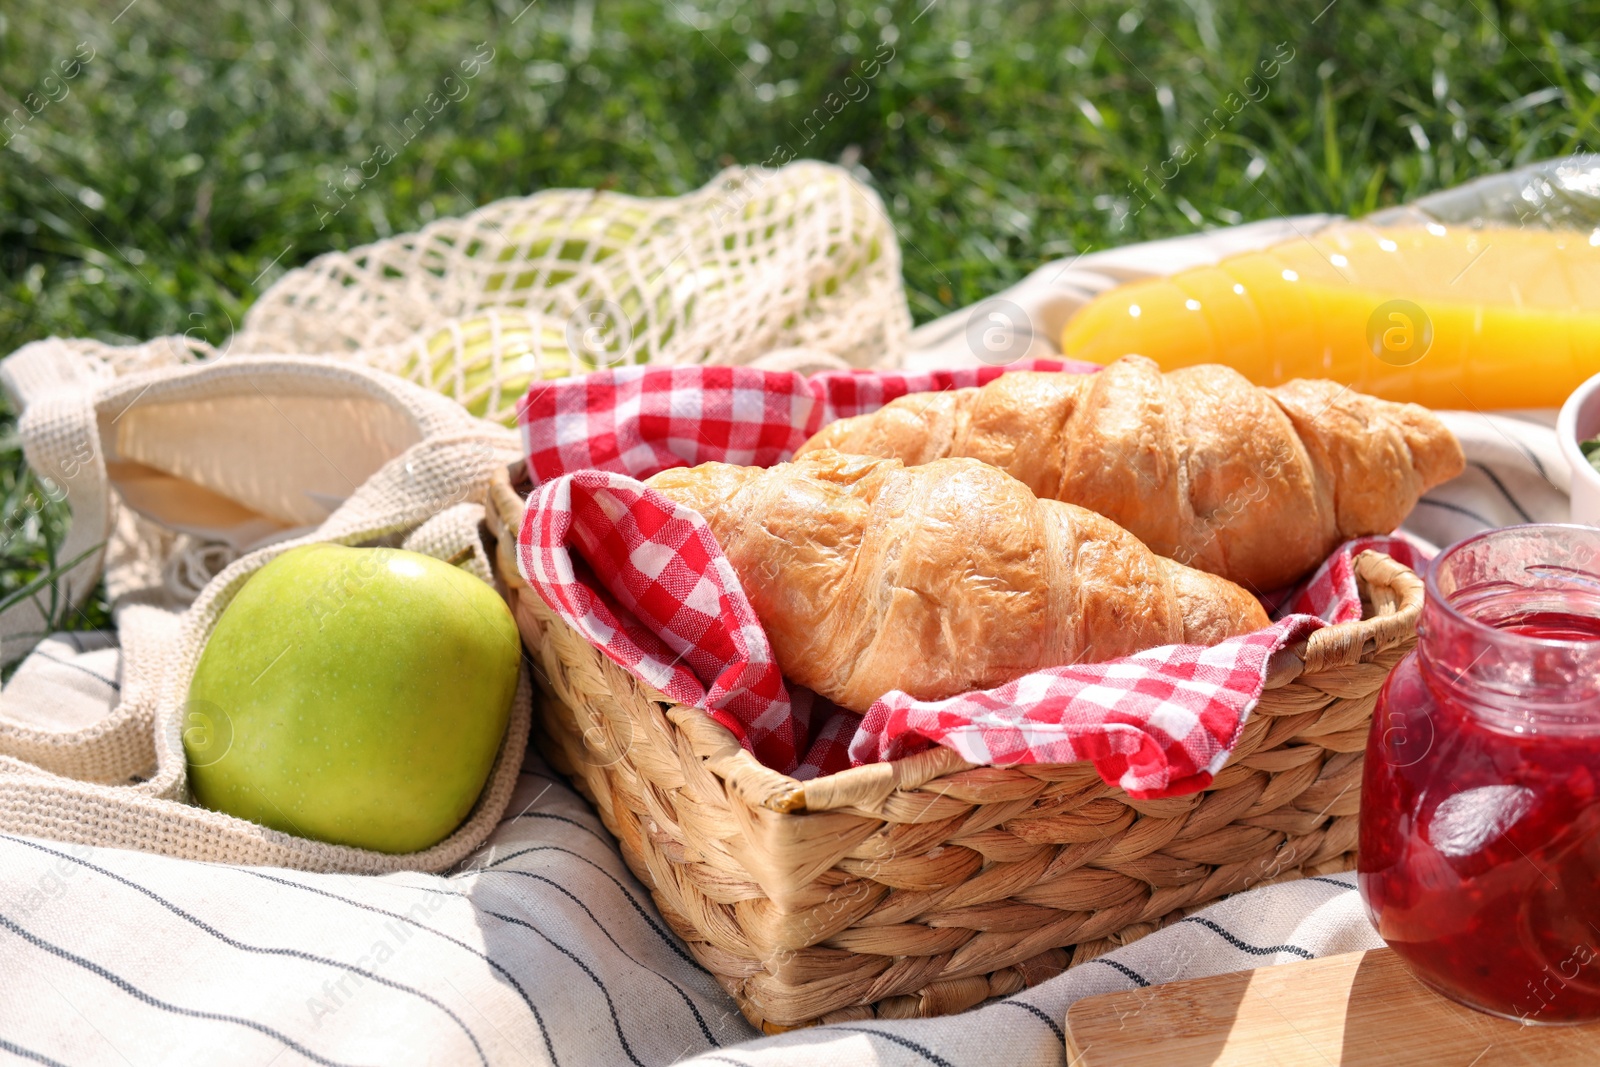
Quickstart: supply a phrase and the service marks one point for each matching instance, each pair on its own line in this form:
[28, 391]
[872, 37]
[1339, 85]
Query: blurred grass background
[197, 151]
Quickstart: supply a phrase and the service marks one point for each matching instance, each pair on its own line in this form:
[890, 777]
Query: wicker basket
[927, 885]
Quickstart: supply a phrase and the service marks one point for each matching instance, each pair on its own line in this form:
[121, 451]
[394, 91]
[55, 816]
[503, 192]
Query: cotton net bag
[797, 268]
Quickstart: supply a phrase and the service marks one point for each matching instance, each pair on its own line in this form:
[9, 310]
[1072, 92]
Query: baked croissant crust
[869, 575]
[1257, 485]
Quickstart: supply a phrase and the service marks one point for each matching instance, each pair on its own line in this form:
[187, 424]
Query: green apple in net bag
[486, 362]
[595, 280]
[356, 696]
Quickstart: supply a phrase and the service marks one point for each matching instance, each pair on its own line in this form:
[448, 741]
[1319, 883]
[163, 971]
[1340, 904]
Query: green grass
[194, 157]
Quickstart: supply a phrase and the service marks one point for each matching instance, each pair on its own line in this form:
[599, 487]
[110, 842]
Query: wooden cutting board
[1363, 1009]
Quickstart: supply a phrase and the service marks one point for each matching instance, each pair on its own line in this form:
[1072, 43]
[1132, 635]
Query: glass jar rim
[1440, 601]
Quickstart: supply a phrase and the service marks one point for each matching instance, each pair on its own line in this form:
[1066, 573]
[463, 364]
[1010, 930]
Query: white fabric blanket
[544, 949]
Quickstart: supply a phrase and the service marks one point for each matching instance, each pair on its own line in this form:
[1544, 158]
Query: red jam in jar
[1480, 807]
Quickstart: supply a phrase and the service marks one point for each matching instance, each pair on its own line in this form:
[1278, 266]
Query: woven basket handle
[1395, 593]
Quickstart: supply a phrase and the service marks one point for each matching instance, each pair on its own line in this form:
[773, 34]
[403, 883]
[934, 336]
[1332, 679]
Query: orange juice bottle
[1450, 317]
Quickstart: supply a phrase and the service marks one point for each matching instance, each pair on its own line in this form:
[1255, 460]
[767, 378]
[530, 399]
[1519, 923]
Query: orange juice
[1498, 317]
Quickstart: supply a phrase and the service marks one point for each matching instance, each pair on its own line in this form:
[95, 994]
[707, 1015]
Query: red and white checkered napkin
[644, 580]
[640, 420]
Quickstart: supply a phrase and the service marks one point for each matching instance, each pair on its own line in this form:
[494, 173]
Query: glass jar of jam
[1480, 807]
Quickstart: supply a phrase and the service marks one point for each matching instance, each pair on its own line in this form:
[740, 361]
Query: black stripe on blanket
[616, 1023]
[666, 936]
[28, 1054]
[523, 993]
[102, 679]
[904, 1042]
[154, 1002]
[1040, 1014]
[258, 949]
[670, 942]
[1498, 484]
[604, 840]
[1459, 510]
[1133, 975]
[1243, 946]
[1330, 881]
[598, 925]
[1519, 445]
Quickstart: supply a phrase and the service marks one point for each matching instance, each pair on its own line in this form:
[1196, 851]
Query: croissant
[869, 575]
[1256, 485]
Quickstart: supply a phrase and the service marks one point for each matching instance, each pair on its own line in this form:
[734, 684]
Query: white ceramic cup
[1580, 421]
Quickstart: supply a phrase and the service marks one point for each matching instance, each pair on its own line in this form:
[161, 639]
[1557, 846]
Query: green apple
[353, 695]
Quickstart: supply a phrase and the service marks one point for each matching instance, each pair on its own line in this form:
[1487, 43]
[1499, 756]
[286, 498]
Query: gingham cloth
[640, 420]
[644, 580]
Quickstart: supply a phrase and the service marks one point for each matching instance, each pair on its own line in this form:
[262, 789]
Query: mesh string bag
[566, 281]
